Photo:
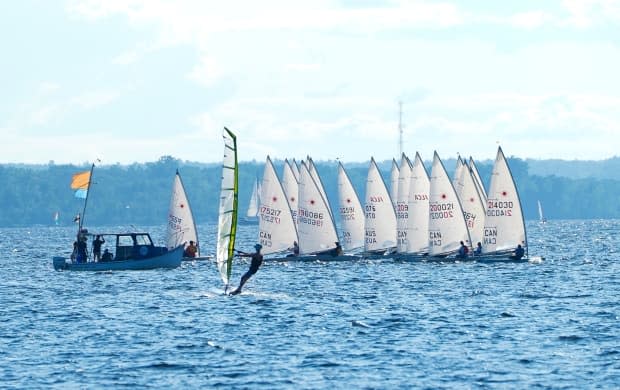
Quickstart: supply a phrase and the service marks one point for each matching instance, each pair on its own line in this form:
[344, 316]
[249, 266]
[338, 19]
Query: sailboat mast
[90, 180]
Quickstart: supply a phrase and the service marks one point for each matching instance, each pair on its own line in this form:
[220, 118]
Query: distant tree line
[140, 193]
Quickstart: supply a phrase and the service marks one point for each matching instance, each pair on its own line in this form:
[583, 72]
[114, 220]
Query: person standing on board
[257, 260]
[97, 242]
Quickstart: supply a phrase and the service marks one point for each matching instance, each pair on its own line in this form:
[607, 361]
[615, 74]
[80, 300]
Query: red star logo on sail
[348, 200]
[444, 196]
[274, 199]
[181, 205]
[312, 201]
[292, 198]
[504, 193]
[471, 200]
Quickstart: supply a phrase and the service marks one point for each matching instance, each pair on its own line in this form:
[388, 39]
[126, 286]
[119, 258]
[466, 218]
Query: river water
[363, 324]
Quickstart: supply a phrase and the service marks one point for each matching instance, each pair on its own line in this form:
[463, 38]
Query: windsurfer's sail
[541, 217]
[227, 223]
[181, 226]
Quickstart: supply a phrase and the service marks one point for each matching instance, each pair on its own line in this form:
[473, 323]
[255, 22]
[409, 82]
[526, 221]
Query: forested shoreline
[139, 193]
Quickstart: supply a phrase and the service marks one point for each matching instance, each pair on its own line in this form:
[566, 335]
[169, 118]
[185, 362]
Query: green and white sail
[227, 222]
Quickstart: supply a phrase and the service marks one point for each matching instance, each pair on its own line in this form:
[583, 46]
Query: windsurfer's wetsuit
[257, 260]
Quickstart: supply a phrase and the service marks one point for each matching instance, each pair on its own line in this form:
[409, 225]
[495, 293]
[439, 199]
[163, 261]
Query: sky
[130, 81]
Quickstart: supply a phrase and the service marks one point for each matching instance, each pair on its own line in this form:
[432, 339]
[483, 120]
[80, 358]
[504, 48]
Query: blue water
[365, 324]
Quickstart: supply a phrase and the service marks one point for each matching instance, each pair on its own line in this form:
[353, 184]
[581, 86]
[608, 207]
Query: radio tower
[400, 128]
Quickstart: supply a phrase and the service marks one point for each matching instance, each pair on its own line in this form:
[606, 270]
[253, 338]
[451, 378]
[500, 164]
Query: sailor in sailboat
[257, 260]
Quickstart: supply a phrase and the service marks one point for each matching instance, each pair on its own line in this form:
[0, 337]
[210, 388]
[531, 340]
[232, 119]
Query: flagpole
[90, 180]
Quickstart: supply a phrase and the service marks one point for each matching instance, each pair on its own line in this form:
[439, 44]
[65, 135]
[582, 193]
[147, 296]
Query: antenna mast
[400, 128]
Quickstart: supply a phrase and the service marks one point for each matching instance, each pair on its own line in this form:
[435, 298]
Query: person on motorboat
[257, 260]
[97, 242]
[107, 256]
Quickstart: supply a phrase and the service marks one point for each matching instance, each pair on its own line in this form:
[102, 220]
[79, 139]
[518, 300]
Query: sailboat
[394, 174]
[380, 218]
[541, 217]
[402, 204]
[504, 226]
[471, 202]
[417, 223]
[229, 199]
[351, 213]
[317, 179]
[181, 228]
[478, 180]
[277, 231]
[251, 216]
[133, 250]
[290, 185]
[446, 224]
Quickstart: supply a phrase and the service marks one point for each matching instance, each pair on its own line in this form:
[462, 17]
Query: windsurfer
[257, 260]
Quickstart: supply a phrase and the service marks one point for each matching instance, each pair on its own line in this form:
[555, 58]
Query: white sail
[227, 221]
[394, 182]
[295, 168]
[254, 201]
[380, 218]
[417, 226]
[181, 226]
[276, 229]
[504, 227]
[317, 179]
[402, 204]
[457, 173]
[472, 204]
[351, 212]
[478, 180]
[317, 232]
[446, 223]
[291, 188]
[541, 217]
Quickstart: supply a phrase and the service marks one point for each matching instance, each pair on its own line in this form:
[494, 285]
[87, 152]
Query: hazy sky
[129, 81]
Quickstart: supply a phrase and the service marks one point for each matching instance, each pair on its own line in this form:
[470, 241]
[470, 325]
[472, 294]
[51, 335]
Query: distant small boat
[56, 218]
[251, 216]
[541, 217]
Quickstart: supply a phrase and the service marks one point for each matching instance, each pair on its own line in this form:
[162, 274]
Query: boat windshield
[134, 239]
